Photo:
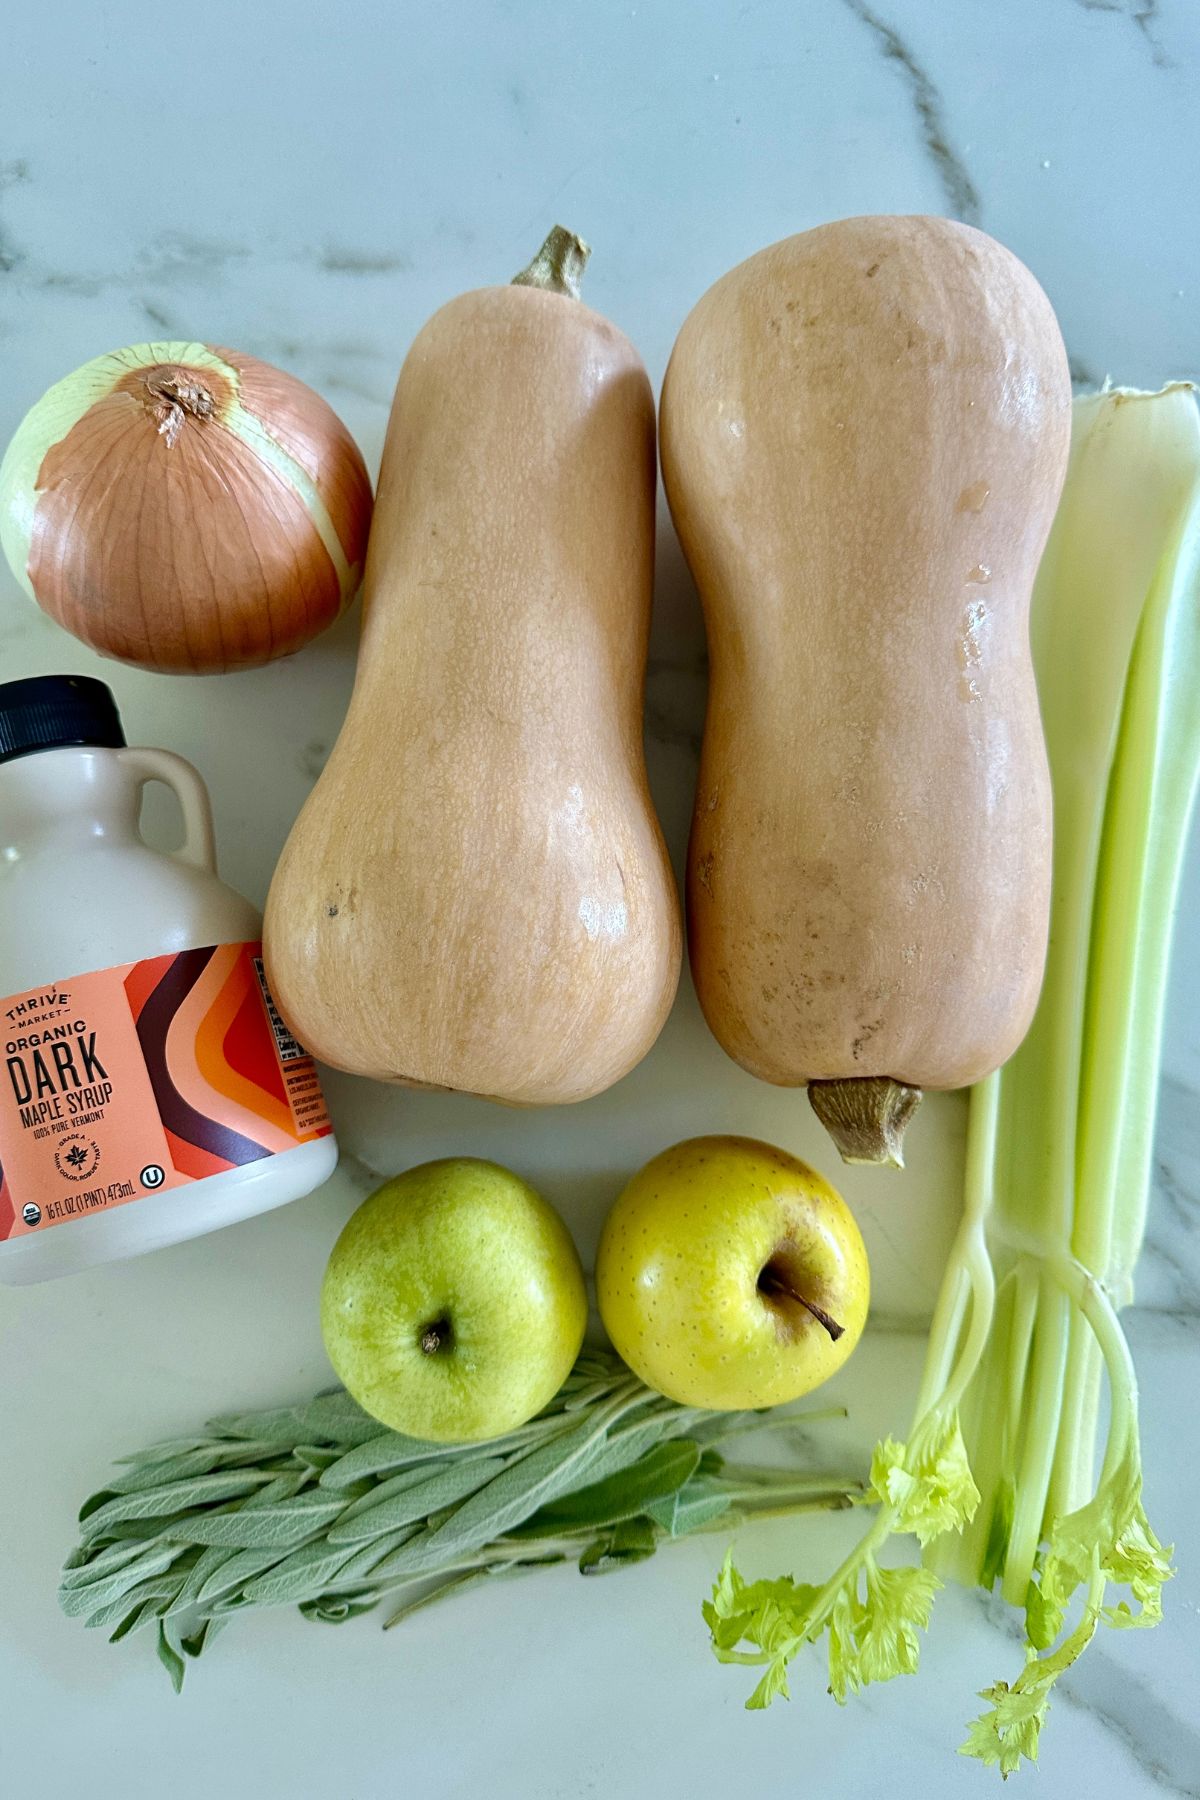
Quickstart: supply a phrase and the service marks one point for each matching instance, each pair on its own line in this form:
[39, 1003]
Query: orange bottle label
[152, 1075]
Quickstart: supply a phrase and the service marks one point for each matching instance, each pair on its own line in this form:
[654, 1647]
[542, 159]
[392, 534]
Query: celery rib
[1119, 586]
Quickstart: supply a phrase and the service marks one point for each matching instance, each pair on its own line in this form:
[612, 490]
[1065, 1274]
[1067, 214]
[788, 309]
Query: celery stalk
[1145, 836]
[998, 1476]
[1124, 552]
[1117, 645]
[1151, 797]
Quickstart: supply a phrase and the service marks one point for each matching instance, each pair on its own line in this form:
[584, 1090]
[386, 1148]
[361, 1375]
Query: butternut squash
[864, 433]
[476, 894]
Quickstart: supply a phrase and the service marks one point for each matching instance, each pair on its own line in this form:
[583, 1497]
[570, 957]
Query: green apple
[454, 1304]
[731, 1274]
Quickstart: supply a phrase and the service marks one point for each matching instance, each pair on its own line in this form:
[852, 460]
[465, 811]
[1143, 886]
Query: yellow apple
[730, 1274]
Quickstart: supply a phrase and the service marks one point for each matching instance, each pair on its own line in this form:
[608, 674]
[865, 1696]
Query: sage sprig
[316, 1506]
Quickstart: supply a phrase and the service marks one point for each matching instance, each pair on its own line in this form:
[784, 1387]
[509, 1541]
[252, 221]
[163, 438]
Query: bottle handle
[199, 844]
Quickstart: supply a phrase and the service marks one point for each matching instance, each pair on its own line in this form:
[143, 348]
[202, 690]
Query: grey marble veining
[1164, 1745]
[1169, 1274]
[11, 256]
[962, 198]
[1146, 16]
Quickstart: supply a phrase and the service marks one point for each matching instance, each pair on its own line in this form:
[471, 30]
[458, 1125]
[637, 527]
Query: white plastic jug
[150, 1092]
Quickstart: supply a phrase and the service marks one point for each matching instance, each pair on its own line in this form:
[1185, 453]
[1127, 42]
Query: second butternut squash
[864, 435]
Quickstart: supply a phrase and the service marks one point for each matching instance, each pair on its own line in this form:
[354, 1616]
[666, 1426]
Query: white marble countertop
[309, 185]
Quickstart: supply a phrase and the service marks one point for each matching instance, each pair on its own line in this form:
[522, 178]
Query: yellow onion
[183, 507]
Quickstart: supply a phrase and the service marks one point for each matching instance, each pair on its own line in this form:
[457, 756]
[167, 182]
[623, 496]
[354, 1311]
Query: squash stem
[866, 1116]
[559, 264]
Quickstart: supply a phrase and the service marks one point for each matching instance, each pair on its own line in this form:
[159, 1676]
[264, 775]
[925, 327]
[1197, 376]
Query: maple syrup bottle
[149, 1091]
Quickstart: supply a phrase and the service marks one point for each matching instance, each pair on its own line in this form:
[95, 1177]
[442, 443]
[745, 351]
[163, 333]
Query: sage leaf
[94, 1502]
[711, 1462]
[591, 1364]
[714, 1428]
[170, 1657]
[225, 1567]
[133, 1621]
[690, 1509]
[80, 1573]
[79, 1601]
[158, 1591]
[331, 1418]
[257, 1450]
[317, 1457]
[162, 1452]
[620, 1450]
[178, 1468]
[380, 1455]
[300, 1575]
[208, 1562]
[335, 1609]
[235, 1567]
[284, 1526]
[281, 1487]
[400, 1483]
[362, 1564]
[391, 1453]
[512, 1496]
[173, 1497]
[443, 1488]
[200, 1461]
[198, 1642]
[657, 1474]
[585, 1395]
[631, 1541]
[130, 1531]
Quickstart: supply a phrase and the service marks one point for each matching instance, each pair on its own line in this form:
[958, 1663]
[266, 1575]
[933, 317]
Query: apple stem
[774, 1284]
[822, 1317]
[436, 1336]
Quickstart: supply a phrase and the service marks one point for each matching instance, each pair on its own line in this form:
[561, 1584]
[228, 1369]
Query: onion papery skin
[185, 508]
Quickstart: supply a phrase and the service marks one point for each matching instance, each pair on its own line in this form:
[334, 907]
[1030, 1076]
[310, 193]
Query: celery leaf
[897, 1606]
[1108, 1540]
[1009, 1732]
[1111, 1531]
[872, 1627]
[1139, 1562]
[873, 1637]
[928, 1482]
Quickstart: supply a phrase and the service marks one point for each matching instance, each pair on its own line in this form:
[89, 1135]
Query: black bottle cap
[50, 712]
